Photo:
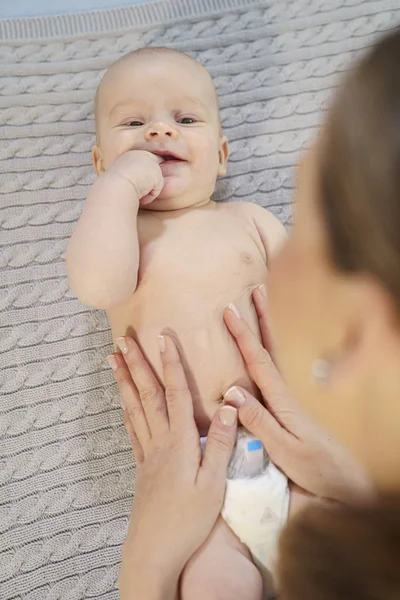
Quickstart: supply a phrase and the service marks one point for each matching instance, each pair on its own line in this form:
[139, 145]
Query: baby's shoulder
[246, 209]
[270, 230]
[254, 213]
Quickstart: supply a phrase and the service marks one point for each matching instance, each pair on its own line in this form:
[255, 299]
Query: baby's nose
[160, 130]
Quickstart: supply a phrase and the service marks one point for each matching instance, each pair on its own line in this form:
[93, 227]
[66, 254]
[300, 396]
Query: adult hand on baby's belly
[179, 494]
[301, 449]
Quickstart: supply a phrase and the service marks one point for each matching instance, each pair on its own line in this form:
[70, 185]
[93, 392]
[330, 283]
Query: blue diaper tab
[249, 457]
[254, 445]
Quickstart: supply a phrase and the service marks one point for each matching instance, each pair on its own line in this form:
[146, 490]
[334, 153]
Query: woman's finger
[221, 439]
[177, 395]
[260, 304]
[258, 420]
[150, 391]
[137, 448]
[260, 365]
[130, 400]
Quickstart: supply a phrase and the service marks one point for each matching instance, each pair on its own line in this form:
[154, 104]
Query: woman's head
[342, 552]
[335, 288]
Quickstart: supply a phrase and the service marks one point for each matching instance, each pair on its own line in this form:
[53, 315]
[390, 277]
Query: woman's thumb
[255, 418]
[220, 443]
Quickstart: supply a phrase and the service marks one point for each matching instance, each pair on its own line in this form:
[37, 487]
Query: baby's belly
[210, 356]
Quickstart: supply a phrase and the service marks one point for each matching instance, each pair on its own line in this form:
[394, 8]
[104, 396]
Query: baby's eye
[186, 121]
[134, 123]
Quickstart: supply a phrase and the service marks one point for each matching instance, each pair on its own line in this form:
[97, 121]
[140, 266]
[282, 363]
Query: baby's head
[163, 101]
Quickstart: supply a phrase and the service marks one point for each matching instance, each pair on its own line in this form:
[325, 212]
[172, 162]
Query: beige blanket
[66, 469]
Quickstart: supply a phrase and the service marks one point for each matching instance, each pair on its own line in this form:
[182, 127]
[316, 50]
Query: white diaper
[256, 504]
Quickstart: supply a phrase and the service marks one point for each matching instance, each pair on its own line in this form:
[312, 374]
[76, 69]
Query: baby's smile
[171, 160]
[167, 155]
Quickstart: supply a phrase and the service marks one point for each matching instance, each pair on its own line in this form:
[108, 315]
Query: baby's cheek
[207, 150]
[116, 146]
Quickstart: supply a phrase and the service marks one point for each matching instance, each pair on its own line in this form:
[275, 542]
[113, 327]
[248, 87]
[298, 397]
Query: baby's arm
[103, 252]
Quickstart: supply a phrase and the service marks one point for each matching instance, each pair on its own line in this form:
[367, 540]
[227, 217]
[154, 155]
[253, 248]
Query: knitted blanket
[66, 470]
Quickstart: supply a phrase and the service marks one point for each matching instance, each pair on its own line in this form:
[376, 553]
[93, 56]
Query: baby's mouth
[168, 157]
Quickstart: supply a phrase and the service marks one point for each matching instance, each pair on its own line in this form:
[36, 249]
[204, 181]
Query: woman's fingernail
[263, 290]
[123, 405]
[228, 415]
[161, 342]
[121, 343]
[234, 309]
[235, 396]
[112, 361]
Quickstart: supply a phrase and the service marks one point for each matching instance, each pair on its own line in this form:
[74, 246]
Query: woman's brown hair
[353, 553]
[342, 553]
[359, 168]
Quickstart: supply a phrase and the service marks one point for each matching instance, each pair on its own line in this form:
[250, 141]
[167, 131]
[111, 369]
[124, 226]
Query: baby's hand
[143, 172]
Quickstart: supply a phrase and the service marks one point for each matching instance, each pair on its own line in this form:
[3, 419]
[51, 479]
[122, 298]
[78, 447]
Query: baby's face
[163, 104]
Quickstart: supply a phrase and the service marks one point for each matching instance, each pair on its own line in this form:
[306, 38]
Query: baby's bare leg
[221, 569]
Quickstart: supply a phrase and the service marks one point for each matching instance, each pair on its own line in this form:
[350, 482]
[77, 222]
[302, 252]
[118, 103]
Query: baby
[154, 251]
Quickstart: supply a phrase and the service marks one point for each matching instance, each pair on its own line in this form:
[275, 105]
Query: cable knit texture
[67, 475]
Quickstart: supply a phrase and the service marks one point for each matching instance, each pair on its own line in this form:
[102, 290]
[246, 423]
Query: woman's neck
[382, 430]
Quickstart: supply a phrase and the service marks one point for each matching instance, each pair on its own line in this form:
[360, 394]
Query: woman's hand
[301, 449]
[179, 493]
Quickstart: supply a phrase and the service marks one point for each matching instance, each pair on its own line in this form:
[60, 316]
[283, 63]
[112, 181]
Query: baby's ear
[98, 163]
[223, 154]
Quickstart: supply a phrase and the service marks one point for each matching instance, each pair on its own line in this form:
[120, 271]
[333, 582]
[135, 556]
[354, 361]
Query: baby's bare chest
[206, 252]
